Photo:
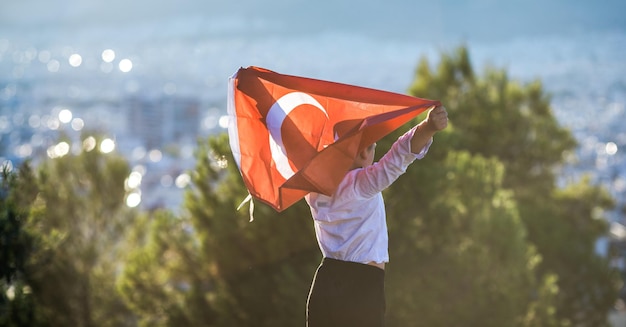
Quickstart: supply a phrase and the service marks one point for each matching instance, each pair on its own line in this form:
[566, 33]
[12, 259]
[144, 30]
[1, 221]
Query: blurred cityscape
[155, 121]
[156, 134]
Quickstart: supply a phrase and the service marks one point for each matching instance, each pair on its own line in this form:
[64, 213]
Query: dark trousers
[346, 294]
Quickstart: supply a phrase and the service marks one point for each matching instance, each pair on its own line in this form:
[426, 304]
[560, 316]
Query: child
[351, 229]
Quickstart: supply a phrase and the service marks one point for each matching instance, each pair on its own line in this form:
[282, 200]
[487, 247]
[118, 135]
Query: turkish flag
[293, 135]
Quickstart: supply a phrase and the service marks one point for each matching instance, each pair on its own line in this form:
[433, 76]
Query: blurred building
[162, 121]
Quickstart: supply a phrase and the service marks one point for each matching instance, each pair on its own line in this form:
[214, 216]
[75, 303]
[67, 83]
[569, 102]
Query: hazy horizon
[443, 21]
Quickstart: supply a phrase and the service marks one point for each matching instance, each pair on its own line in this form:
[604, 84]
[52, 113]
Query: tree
[164, 281]
[459, 252]
[80, 216]
[262, 270]
[218, 268]
[497, 118]
[17, 307]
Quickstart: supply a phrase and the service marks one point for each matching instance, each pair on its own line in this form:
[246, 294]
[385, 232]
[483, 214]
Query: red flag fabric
[293, 135]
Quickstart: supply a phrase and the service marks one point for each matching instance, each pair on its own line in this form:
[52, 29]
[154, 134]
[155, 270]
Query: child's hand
[437, 119]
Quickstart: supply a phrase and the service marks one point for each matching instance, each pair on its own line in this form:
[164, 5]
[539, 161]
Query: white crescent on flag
[274, 120]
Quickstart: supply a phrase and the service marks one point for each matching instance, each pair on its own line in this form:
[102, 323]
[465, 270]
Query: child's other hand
[437, 118]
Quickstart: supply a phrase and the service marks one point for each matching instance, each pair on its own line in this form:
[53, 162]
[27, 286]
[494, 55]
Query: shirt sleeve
[374, 179]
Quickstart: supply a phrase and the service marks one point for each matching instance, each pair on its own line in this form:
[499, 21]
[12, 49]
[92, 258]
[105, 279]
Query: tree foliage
[459, 252]
[495, 117]
[18, 243]
[233, 272]
[164, 282]
[262, 269]
[77, 212]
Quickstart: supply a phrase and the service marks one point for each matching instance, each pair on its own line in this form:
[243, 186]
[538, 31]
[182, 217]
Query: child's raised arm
[436, 120]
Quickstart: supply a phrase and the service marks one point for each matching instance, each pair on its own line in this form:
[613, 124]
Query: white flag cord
[251, 208]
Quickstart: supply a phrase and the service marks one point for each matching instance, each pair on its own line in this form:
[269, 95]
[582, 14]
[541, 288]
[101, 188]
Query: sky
[428, 21]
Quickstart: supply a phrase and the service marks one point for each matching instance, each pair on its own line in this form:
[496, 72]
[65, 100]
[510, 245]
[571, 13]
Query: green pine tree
[498, 118]
[17, 303]
[234, 272]
[80, 218]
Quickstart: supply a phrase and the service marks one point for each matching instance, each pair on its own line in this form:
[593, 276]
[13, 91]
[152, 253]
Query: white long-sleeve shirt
[351, 224]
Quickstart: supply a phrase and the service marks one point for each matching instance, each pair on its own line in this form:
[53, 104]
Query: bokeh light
[108, 55]
[59, 150]
[223, 121]
[75, 60]
[65, 116]
[133, 199]
[155, 155]
[89, 143]
[53, 66]
[182, 180]
[125, 65]
[53, 123]
[24, 150]
[611, 148]
[44, 56]
[140, 169]
[134, 180]
[107, 146]
[77, 124]
[138, 153]
[34, 121]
